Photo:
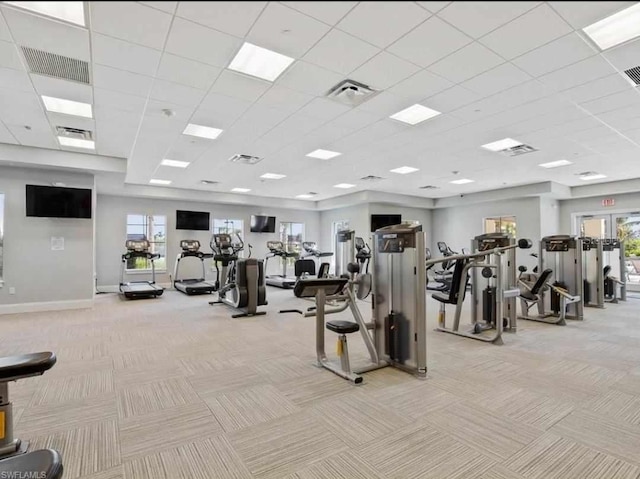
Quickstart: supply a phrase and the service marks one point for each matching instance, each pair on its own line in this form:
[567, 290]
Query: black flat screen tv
[263, 224]
[192, 220]
[380, 221]
[58, 202]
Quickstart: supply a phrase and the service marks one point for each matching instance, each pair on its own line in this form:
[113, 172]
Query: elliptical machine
[240, 282]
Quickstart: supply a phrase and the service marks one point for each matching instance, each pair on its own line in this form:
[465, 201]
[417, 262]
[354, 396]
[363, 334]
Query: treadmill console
[190, 246]
[137, 246]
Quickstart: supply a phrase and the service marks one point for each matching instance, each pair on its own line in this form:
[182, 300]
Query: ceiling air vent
[76, 133]
[429, 187]
[634, 75]
[57, 66]
[371, 178]
[518, 150]
[351, 92]
[209, 182]
[245, 159]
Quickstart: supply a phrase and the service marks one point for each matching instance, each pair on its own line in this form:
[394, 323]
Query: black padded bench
[13, 368]
[43, 464]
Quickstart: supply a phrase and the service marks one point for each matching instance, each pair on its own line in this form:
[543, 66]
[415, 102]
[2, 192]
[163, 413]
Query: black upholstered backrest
[542, 280]
[457, 279]
[606, 271]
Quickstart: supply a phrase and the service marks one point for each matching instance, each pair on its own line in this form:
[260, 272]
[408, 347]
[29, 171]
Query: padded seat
[43, 463]
[25, 365]
[531, 294]
[342, 327]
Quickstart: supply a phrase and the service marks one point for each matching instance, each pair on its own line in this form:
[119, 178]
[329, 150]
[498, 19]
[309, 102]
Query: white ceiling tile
[466, 63]
[221, 109]
[627, 98]
[36, 32]
[15, 80]
[355, 119]
[154, 114]
[579, 73]
[124, 55]
[119, 80]
[286, 31]
[37, 138]
[433, 7]
[423, 84]
[6, 136]
[107, 114]
[443, 39]
[383, 71]
[122, 102]
[240, 86]
[382, 23]
[451, 99]
[27, 115]
[327, 12]
[189, 40]
[309, 78]
[10, 99]
[324, 109]
[531, 30]
[597, 88]
[479, 18]
[581, 14]
[283, 99]
[330, 52]
[386, 103]
[175, 93]
[187, 72]
[9, 57]
[5, 34]
[234, 18]
[552, 56]
[131, 21]
[255, 122]
[500, 78]
[62, 89]
[168, 7]
[625, 56]
[367, 136]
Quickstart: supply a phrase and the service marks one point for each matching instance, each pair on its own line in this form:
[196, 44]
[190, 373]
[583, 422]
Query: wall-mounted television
[192, 220]
[263, 224]
[380, 221]
[58, 202]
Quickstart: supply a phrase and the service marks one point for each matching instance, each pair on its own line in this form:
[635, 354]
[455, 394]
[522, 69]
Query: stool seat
[342, 327]
[44, 463]
[25, 365]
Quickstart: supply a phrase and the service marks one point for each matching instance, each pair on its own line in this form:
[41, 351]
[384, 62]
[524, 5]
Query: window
[501, 224]
[292, 236]
[1, 232]
[154, 229]
[230, 227]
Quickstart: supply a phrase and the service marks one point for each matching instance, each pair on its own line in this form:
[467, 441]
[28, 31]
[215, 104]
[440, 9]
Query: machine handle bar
[522, 243]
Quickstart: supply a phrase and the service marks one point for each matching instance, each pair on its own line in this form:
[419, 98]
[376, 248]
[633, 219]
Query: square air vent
[371, 178]
[245, 159]
[428, 187]
[56, 66]
[351, 92]
[76, 133]
[209, 182]
[518, 150]
[634, 75]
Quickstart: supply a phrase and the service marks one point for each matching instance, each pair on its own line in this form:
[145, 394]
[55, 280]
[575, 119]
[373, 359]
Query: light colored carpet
[173, 388]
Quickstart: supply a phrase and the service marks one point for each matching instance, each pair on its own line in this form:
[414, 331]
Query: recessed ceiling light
[344, 185]
[77, 143]
[556, 164]
[241, 190]
[323, 154]
[260, 62]
[72, 12]
[175, 163]
[67, 107]
[461, 181]
[615, 29]
[404, 170]
[273, 176]
[160, 182]
[592, 176]
[305, 196]
[415, 114]
[502, 144]
[202, 131]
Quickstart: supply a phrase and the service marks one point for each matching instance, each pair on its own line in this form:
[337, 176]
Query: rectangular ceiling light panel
[615, 29]
[462, 181]
[160, 182]
[202, 131]
[323, 154]
[594, 176]
[241, 190]
[415, 114]
[503, 144]
[555, 164]
[260, 62]
[273, 176]
[175, 163]
[72, 12]
[67, 107]
[344, 185]
[77, 143]
[404, 170]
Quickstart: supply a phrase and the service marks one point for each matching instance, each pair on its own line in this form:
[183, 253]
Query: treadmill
[192, 286]
[139, 289]
[276, 249]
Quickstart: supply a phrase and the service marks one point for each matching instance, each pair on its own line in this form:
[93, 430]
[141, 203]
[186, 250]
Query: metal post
[320, 302]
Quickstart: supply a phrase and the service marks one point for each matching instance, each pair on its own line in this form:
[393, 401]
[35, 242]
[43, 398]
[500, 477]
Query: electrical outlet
[12, 290]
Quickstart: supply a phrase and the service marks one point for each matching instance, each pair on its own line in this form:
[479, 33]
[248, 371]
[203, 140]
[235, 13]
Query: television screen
[380, 221]
[263, 224]
[192, 220]
[58, 202]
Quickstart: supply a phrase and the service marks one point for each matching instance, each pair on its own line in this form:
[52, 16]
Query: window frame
[150, 224]
[500, 219]
[285, 241]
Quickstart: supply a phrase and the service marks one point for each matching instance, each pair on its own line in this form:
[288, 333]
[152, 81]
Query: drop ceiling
[494, 70]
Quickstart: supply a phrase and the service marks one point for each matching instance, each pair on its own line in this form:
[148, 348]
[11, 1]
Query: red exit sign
[608, 202]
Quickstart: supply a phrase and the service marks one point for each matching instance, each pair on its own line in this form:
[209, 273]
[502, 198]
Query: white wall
[111, 220]
[37, 273]
[549, 217]
[624, 203]
[458, 225]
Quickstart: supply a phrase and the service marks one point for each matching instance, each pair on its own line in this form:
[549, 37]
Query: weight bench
[40, 464]
[13, 368]
[531, 294]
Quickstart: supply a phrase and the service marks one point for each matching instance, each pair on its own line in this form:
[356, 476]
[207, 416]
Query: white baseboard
[45, 306]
